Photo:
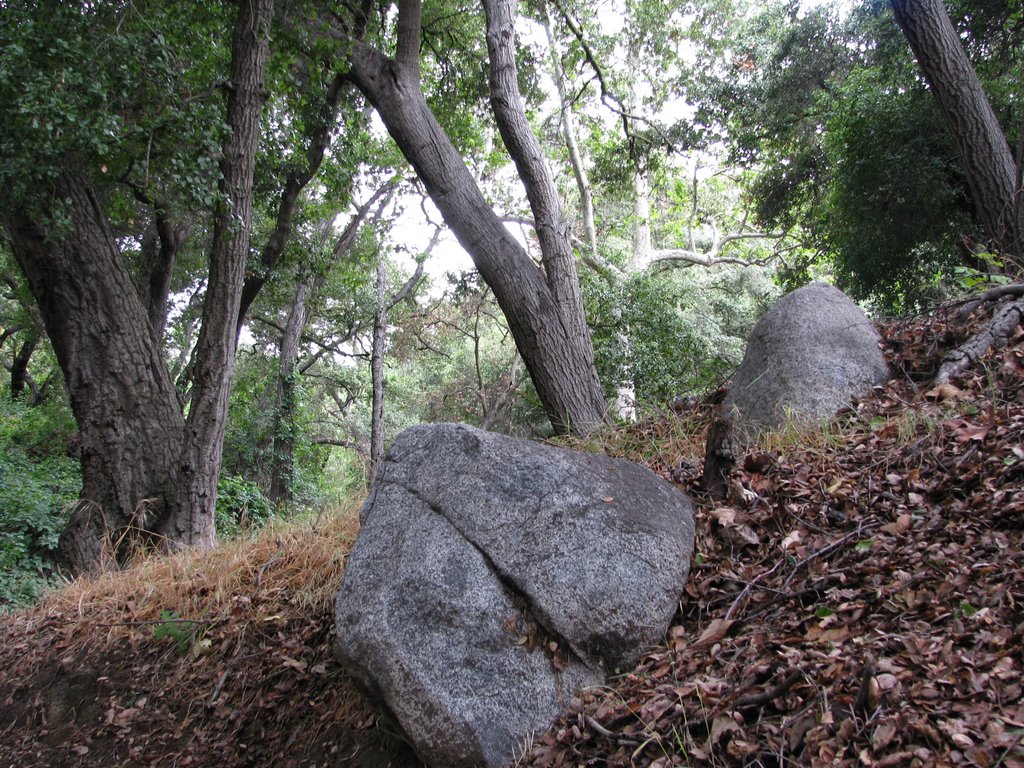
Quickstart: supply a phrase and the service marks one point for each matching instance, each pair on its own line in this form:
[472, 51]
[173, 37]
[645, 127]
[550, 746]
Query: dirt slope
[858, 600]
[217, 660]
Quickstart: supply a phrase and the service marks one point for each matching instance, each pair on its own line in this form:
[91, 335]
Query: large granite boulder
[805, 359]
[494, 577]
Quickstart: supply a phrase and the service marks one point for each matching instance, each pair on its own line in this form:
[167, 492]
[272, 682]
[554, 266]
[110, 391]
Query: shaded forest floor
[857, 600]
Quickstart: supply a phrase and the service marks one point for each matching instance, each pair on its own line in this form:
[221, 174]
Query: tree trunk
[193, 523]
[19, 365]
[380, 319]
[721, 452]
[144, 469]
[282, 472]
[992, 175]
[122, 397]
[568, 121]
[547, 330]
[160, 246]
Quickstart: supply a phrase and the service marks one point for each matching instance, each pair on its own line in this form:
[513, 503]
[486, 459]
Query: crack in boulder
[476, 550]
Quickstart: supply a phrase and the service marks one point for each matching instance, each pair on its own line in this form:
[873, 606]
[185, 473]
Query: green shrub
[241, 506]
[38, 485]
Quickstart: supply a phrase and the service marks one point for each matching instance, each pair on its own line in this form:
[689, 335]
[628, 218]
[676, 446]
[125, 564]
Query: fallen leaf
[970, 431]
[720, 726]
[725, 516]
[901, 525]
[714, 632]
[944, 392]
[791, 540]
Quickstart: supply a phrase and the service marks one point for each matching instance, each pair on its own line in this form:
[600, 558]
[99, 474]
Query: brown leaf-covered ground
[857, 600]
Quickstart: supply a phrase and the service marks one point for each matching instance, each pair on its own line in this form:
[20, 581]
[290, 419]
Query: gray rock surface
[493, 577]
[805, 359]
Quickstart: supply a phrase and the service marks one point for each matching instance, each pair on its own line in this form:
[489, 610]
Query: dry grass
[209, 646]
[304, 557]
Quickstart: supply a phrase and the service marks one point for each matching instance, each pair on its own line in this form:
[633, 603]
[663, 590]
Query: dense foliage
[39, 482]
[851, 147]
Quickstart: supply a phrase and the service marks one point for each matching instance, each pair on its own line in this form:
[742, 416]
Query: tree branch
[407, 54]
[670, 256]
[319, 136]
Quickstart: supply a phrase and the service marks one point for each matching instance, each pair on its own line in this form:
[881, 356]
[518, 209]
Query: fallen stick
[996, 335]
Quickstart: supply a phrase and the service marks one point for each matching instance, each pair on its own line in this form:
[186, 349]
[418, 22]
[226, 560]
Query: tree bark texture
[144, 468]
[380, 327]
[215, 347]
[721, 453]
[995, 335]
[122, 396]
[992, 175]
[552, 344]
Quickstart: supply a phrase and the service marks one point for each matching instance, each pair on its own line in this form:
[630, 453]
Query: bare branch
[673, 256]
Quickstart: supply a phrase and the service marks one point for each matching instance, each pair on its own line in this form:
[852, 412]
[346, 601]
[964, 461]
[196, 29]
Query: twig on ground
[760, 699]
[599, 728]
[219, 687]
[796, 568]
[863, 701]
[158, 621]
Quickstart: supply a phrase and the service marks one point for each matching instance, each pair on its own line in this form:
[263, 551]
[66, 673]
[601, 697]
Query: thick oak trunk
[992, 175]
[550, 341]
[145, 470]
[123, 399]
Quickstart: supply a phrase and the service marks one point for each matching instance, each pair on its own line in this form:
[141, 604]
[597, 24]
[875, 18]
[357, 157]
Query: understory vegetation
[856, 600]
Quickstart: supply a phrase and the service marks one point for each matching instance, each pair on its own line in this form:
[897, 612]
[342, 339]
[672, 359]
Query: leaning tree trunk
[992, 175]
[558, 357]
[124, 401]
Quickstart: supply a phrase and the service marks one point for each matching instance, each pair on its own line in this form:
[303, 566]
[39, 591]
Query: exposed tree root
[995, 335]
[992, 294]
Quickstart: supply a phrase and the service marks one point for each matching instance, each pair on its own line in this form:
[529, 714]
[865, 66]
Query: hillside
[857, 600]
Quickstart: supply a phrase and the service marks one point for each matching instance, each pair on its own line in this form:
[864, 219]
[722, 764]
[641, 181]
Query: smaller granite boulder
[494, 577]
[805, 359]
